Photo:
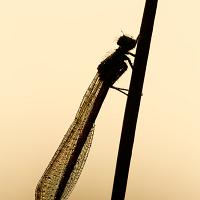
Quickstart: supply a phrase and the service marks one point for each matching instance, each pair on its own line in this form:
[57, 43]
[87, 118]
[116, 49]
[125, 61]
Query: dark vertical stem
[133, 102]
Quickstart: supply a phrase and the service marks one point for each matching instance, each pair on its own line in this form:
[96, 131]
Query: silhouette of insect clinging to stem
[67, 163]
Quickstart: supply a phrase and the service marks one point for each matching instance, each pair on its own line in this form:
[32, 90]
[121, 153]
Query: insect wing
[49, 184]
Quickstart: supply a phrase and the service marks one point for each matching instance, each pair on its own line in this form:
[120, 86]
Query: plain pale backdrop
[49, 52]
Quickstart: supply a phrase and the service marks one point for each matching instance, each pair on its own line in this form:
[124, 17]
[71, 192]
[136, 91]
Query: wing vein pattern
[67, 163]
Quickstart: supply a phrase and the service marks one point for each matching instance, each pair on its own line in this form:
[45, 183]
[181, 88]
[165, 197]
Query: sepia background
[49, 52]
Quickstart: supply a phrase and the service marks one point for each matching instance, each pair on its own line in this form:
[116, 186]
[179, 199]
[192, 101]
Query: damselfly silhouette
[67, 163]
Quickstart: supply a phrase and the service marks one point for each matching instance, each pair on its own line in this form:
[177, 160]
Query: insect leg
[132, 54]
[129, 61]
[120, 89]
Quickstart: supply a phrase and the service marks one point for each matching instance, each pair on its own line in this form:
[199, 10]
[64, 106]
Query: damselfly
[67, 163]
